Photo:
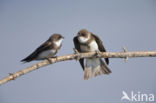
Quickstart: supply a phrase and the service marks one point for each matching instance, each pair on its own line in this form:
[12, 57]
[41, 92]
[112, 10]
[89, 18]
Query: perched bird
[47, 50]
[86, 41]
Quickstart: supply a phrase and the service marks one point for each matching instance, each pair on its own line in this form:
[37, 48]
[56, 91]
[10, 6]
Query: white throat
[58, 43]
[83, 40]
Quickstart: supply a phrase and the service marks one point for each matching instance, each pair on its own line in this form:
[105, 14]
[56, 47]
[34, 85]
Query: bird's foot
[98, 54]
[77, 54]
[49, 60]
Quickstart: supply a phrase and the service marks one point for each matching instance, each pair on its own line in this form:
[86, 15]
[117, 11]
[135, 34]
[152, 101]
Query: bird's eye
[57, 38]
[83, 34]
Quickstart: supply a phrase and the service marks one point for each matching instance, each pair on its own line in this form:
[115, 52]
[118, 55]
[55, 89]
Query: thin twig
[13, 76]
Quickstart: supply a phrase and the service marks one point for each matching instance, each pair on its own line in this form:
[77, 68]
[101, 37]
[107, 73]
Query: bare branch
[125, 54]
[125, 50]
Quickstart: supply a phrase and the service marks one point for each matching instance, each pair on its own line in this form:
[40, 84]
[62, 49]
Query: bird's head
[83, 35]
[56, 38]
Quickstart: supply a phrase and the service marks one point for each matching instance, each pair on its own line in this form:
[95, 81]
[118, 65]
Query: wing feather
[100, 46]
[77, 46]
[45, 46]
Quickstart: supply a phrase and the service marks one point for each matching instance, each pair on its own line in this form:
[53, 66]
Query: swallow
[86, 41]
[47, 50]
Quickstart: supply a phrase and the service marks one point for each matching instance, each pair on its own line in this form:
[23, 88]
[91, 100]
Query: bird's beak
[63, 37]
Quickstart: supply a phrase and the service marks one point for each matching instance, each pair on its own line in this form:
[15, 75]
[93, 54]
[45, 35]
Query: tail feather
[95, 67]
[29, 58]
[26, 59]
[105, 68]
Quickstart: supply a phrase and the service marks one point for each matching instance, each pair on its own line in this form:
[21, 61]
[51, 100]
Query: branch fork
[12, 75]
[125, 50]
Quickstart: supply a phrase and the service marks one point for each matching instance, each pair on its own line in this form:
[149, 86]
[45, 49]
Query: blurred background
[25, 24]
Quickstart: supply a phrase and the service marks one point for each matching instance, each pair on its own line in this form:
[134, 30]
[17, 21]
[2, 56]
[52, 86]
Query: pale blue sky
[25, 24]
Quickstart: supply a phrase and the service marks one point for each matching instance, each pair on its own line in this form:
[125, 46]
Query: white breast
[83, 40]
[93, 46]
